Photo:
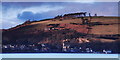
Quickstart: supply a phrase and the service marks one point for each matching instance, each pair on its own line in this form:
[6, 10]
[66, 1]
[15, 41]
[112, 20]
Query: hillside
[102, 30]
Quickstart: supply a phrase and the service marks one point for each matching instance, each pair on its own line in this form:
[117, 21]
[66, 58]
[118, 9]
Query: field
[109, 24]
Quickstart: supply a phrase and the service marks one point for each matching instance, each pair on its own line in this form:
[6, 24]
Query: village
[66, 47]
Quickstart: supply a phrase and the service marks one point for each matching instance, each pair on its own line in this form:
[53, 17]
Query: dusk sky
[16, 13]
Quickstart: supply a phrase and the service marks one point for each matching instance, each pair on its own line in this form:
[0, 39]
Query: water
[57, 55]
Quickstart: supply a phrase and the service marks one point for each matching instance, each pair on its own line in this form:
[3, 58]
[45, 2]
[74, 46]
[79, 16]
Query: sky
[15, 13]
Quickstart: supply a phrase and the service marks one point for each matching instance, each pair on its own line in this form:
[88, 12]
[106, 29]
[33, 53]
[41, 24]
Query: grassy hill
[109, 25]
[102, 32]
[99, 26]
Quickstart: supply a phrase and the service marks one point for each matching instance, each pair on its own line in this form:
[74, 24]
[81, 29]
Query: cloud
[84, 1]
[16, 13]
[0, 15]
[38, 12]
[13, 16]
[42, 9]
[28, 15]
[9, 18]
[8, 23]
